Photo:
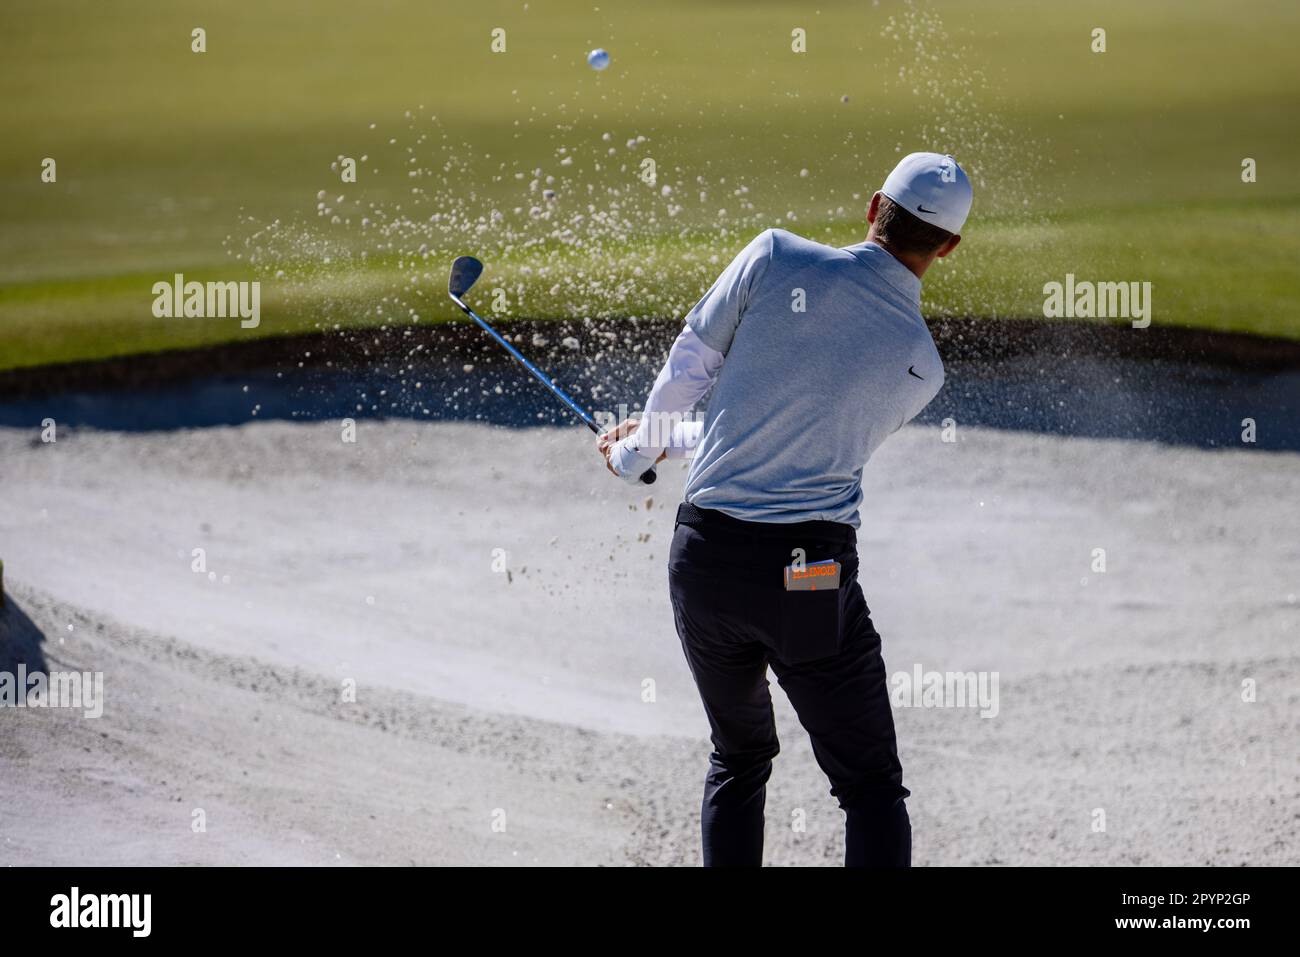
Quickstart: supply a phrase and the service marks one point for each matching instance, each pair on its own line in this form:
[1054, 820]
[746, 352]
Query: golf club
[464, 273]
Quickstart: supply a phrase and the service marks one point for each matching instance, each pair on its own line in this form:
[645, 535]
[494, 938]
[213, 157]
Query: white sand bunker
[469, 607]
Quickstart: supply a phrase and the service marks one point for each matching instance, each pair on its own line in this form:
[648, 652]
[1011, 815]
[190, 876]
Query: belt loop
[688, 514]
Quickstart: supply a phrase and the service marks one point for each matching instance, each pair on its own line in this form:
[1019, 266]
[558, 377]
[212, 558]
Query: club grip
[648, 477]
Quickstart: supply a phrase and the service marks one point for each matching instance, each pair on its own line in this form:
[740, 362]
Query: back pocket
[808, 626]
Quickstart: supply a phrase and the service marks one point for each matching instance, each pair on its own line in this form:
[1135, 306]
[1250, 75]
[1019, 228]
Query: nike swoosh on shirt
[911, 373]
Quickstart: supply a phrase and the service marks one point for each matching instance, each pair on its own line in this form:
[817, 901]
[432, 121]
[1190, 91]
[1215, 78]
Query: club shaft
[538, 374]
[647, 477]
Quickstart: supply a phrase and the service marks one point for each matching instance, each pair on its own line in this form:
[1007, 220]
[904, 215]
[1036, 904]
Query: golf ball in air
[598, 59]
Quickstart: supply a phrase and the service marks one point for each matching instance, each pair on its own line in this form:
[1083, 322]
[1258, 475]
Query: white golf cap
[933, 188]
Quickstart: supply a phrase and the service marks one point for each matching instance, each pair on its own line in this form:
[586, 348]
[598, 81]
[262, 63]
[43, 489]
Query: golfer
[815, 355]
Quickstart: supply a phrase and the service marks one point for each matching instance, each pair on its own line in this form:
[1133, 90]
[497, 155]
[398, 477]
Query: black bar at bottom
[213, 905]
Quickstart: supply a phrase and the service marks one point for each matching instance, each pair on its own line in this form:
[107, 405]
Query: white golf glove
[627, 462]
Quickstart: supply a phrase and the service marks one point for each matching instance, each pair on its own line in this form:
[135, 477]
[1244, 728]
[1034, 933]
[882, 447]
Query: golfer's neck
[917, 264]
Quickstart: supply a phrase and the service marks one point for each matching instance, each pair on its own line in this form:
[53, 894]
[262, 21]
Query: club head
[464, 273]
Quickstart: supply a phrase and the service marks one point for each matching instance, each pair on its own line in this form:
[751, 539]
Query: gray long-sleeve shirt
[804, 398]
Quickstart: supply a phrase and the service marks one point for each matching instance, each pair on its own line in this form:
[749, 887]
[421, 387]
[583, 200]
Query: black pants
[735, 618]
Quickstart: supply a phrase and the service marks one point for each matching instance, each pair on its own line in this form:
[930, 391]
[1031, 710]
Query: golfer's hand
[605, 441]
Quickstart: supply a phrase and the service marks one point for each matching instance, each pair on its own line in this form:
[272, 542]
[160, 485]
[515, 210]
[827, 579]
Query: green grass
[1123, 165]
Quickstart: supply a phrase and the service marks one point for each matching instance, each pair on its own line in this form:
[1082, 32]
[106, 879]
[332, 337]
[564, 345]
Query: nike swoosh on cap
[922, 209]
[911, 373]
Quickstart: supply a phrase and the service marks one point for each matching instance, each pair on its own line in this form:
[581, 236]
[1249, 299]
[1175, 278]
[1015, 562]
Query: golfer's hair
[899, 229]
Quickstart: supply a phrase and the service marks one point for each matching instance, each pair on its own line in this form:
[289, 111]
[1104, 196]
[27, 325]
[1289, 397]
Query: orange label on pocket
[815, 576]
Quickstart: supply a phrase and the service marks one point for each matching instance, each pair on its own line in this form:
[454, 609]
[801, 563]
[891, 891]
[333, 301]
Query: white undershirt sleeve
[688, 373]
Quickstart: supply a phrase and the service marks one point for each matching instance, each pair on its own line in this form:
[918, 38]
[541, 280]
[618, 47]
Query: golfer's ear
[873, 209]
[949, 246]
